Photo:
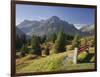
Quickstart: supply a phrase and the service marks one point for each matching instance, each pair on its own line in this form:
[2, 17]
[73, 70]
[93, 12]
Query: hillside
[49, 63]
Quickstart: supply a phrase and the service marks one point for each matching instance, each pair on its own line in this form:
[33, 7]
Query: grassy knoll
[53, 62]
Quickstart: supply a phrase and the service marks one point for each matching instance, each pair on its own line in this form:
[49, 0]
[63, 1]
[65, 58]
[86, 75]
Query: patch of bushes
[82, 56]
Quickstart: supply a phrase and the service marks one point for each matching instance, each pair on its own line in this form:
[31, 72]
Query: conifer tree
[36, 45]
[59, 43]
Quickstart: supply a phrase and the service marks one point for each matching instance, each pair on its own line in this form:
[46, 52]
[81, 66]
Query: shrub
[53, 51]
[69, 47]
[84, 42]
[82, 56]
[45, 52]
[92, 59]
[22, 53]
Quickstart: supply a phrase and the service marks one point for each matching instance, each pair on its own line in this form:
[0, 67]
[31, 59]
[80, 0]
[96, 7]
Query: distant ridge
[48, 26]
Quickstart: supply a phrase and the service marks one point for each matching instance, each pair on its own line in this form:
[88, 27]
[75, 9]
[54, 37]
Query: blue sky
[70, 14]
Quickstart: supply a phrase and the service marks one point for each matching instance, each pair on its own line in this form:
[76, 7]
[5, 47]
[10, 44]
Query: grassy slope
[49, 63]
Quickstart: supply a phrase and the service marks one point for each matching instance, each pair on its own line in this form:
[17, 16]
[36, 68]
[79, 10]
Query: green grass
[80, 66]
[49, 63]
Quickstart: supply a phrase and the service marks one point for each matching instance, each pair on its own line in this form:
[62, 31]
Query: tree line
[59, 40]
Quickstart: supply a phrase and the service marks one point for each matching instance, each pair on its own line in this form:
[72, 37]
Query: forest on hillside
[59, 44]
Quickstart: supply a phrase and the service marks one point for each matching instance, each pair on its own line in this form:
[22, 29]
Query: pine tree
[59, 43]
[22, 51]
[36, 45]
[19, 42]
[53, 37]
[43, 39]
[24, 40]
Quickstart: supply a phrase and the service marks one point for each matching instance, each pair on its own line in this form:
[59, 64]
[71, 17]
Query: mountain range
[50, 25]
[89, 29]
